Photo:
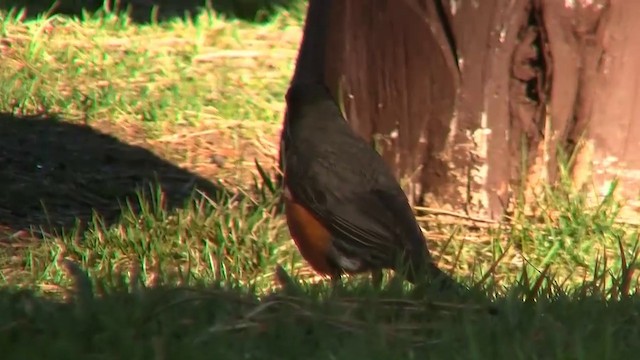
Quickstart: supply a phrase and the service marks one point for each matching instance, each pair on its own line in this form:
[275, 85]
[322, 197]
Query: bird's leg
[288, 284]
[336, 280]
[376, 278]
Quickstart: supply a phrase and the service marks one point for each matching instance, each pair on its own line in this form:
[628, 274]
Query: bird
[345, 210]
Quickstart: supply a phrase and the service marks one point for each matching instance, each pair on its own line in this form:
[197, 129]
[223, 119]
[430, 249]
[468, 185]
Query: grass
[105, 252]
[101, 67]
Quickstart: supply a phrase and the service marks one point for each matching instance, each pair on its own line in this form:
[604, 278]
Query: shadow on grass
[54, 172]
[141, 10]
[217, 322]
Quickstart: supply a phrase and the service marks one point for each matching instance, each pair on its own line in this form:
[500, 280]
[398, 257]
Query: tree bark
[472, 100]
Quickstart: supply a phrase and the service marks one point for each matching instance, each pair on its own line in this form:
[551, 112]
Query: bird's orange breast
[310, 236]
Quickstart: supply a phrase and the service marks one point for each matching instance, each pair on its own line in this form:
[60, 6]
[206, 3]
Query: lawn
[139, 220]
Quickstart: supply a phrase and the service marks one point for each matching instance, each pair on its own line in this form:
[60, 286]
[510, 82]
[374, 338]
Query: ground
[106, 127]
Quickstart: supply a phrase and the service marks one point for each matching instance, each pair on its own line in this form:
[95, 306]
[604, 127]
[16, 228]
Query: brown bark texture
[469, 100]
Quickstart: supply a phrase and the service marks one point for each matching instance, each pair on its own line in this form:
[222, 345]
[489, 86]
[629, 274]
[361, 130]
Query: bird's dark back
[316, 127]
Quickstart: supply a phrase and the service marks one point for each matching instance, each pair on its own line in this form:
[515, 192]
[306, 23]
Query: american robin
[344, 208]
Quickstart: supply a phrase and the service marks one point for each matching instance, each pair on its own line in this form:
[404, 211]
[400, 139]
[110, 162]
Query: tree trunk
[469, 100]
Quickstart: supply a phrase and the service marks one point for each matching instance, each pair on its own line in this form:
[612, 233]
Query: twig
[434, 211]
[177, 137]
[225, 54]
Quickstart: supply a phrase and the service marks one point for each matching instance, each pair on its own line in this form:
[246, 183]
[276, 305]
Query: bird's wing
[369, 223]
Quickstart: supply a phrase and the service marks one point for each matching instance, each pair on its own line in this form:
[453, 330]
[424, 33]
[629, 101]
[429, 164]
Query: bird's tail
[442, 280]
[426, 272]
